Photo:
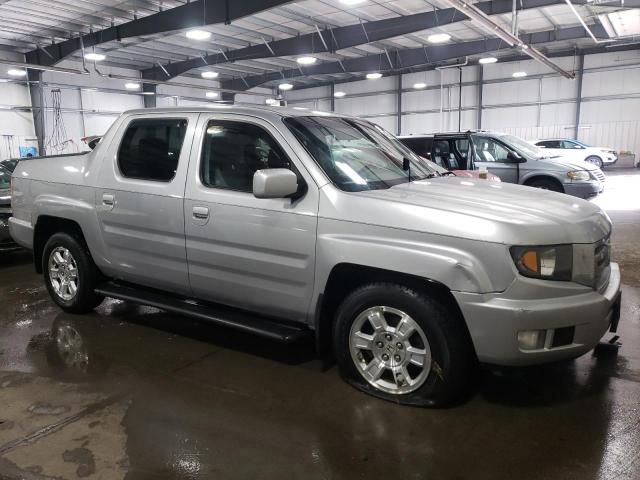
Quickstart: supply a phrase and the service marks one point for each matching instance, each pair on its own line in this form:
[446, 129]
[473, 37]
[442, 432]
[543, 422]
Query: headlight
[578, 175]
[552, 262]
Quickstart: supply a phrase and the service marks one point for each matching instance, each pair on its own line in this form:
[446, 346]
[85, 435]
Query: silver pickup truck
[284, 222]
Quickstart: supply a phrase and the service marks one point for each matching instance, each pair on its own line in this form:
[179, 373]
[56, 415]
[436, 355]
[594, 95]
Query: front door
[257, 254]
[140, 201]
[494, 155]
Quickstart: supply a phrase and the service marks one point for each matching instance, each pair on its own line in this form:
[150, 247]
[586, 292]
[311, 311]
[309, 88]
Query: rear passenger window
[151, 148]
[233, 151]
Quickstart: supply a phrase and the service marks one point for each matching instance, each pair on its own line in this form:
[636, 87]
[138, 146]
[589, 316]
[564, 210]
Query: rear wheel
[597, 161]
[70, 274]
[400, 345]
[546, 184]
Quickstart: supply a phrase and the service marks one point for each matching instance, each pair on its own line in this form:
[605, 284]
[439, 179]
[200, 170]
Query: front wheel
[546, 184]
[70, 274]
[400, 345]
[597, 161]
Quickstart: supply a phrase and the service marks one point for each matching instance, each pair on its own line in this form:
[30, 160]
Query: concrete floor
[149, 395]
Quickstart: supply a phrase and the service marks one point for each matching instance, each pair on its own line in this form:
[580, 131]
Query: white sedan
[602, 157]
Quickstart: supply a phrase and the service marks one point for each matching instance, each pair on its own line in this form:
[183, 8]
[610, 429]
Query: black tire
[452, 356]
[596, 160]
[85, 298]
[546, 184]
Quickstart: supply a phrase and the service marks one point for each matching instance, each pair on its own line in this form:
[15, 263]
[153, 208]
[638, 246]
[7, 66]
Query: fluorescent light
[14, 72]
[211, 94]
[486, 60]
[300, 108]
[94, 57]
[285, 86]
[271, 101]
[419, 85]
[208, 74]
[519, 74]
[307, 60]
[147, 93]
[132, 86]
[374, 75]
[352, 2]
[339, 94]
[198, 35]
[439, 38]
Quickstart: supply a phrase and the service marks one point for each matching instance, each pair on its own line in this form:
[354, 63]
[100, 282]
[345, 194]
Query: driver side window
[489, 150]
[233, 151]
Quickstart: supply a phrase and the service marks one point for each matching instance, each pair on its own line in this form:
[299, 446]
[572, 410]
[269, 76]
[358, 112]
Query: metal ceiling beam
[402, 60]
[338, 38]
[189, 15]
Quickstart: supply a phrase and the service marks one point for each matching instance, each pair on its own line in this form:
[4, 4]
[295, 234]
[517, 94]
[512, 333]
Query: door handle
[201, 213]
[108, 200]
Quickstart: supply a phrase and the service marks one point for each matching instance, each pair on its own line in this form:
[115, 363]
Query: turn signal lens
[553, 262]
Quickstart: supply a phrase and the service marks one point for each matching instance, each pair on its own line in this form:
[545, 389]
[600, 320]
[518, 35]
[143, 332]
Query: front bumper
[494, 321]
[584, 189]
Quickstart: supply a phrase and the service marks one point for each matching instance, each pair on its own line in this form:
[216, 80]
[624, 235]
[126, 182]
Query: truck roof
[267, 112]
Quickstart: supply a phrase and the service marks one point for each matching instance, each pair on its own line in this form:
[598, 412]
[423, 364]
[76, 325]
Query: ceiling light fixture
[339, 94]
[352, 2]
[419, 85]
[307, 60]
[519, 74]
[487, 60]
[285, 86]
[15, 72]
[199, 35]
[208, 74]
[147, 93]
[374, 76]
[211, 94]
[132, 86]
[271, 101]
[439, 38]
[94, 57]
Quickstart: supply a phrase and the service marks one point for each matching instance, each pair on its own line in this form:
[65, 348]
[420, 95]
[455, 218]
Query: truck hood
[478, 210]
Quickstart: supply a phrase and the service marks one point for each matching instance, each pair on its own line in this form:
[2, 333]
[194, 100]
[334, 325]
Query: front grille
[598, 175]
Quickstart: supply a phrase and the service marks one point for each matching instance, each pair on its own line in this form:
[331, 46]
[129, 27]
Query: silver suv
[510, 158]
[284, 223]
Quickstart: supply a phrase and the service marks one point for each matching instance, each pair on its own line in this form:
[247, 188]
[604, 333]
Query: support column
[460, 100]
[579, 75]
[37, 104]
[149, 100]
[399, 105]
[332, 92]
[480, 87]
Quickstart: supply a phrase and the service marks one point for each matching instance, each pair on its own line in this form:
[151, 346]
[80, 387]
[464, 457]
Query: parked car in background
[281, 223]
[9, 164]
[601, 157]
[421, 145]
[6, 242]
[510, 158]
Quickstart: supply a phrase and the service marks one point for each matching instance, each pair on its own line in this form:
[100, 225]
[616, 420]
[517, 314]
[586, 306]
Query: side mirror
[514, 157]
[274, 183]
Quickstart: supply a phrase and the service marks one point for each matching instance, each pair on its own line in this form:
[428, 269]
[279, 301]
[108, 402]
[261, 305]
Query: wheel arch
[528, 181]
[48, 225]
[346, 277]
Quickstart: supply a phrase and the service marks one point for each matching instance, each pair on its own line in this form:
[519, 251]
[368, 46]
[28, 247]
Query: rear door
[257, 254]
[140, 201]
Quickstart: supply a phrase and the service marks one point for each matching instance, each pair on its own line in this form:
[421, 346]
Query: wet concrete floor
[135, 393]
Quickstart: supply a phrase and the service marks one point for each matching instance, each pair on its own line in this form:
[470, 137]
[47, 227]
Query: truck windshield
[357, 155]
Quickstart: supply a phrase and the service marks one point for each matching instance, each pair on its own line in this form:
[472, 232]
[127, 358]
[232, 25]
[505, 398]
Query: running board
[218, 314]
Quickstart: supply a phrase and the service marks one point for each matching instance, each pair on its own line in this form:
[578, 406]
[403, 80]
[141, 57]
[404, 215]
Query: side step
[218, 314]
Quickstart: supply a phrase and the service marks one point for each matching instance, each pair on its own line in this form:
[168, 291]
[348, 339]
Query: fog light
[531, 339]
